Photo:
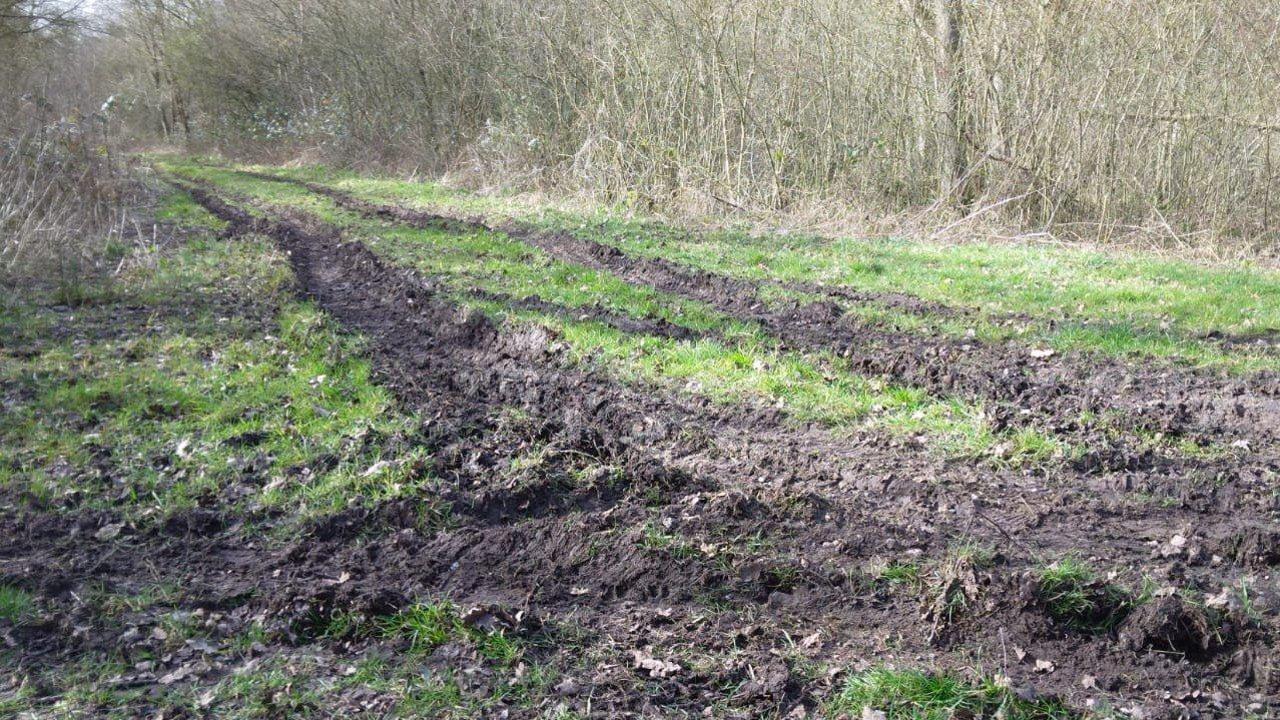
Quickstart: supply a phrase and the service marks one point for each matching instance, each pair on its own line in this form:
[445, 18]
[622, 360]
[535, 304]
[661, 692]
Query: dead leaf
[109, 531]
[376, 468]
[202, 645]
[175, 676]
[657, 668]
[1225, 600]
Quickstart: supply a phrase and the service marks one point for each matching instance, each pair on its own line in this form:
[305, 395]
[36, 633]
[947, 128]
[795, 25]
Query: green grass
[901, 573]
[915, 695]
[1116, 303]
[224, 385]
[16, 605]
[423, 626]
[739, 361]
[430, 625]
[659, 540]
[939, 582]
[201, 378]
[181, 209]
[1073, 593]
[426, 626]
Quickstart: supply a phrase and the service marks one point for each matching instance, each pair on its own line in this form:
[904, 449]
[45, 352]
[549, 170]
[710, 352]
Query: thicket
[64, 194]
[1091, 118]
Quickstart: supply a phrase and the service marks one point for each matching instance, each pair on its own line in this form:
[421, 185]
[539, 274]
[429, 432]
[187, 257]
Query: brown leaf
[657, 668]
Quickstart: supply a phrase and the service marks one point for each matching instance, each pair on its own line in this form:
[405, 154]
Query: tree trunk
[952, 157]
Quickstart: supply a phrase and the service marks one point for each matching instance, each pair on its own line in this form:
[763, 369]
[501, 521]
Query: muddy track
[1226, 485]
[567, 540]
[1052, 393]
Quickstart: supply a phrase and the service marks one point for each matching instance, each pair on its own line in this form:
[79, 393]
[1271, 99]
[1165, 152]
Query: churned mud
[706, 556]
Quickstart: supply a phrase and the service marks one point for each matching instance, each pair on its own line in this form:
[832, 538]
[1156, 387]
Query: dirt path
[1051, 393]
[572, 541]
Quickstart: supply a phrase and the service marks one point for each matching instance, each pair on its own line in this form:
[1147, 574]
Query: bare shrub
[61, 207]
[63, 191]
[1097, 119]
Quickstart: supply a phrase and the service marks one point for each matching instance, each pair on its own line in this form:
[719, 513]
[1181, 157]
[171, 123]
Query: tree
[28, 17]
[952, 122]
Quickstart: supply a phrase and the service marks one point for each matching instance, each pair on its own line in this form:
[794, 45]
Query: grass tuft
[915, 695]
[901, 573]
[16, 605]
[427, 626]
[1072, 592]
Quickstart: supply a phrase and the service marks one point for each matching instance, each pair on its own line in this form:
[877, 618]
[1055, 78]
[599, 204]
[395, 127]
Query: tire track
[1024, 388]
[862, 498]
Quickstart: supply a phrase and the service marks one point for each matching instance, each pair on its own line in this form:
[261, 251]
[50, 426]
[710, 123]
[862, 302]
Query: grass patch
[430, 625]
[657, 539]
[179, 208]
[1072, 592]
[900, 573]
[16, 605]
[203, 378]
[424, 627]
[915, 695]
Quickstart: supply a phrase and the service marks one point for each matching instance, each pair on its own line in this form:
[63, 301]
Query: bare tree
[953, 166]
[1093, 118]
[27, 17]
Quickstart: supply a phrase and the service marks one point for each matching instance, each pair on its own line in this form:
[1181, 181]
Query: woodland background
[1048, 118]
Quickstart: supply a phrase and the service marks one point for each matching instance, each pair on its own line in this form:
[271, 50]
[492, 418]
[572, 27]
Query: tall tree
[952, 154]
